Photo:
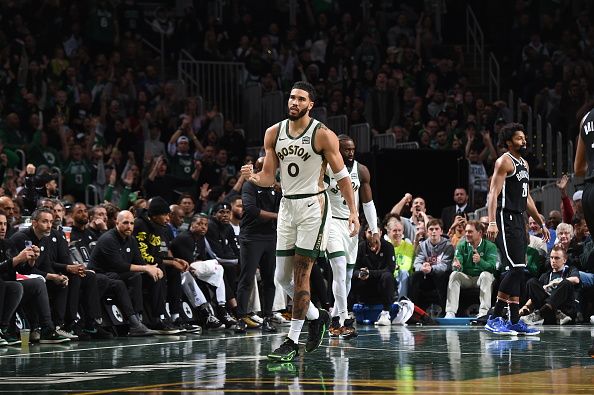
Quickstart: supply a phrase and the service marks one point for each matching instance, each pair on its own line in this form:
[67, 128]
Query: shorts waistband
[505, 210]
[303, 195]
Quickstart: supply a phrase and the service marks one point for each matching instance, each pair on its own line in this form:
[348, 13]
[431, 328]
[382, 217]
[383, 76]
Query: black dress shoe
[267, 326]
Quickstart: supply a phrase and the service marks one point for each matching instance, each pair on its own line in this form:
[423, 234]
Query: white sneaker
[533, 318]
[278, 319]
[257, 318]
[384, 319]
[562, 318]
[592, 319]
[450, 315]
[66, 334]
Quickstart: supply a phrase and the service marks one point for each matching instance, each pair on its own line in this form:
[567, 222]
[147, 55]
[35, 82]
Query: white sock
[295, 329]
[312, 312]
[174, 316]
[349, 277]
[339, 274]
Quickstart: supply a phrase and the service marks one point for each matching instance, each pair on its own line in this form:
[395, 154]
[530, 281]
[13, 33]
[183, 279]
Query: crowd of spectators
[430, 264]
[84, 102]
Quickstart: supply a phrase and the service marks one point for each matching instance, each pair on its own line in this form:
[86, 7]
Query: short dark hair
[198, 216]
[37, 213]
[344, 137]
[433, 222]
[186, 196]
[508, 130]
[93, 210]
[234, 199]
[306, 86]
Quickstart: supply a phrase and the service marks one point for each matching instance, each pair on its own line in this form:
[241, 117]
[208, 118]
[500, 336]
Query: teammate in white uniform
[342, 249]
[302, 147]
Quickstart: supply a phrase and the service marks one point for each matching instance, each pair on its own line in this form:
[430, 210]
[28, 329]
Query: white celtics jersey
[337, 202]
[302, 168]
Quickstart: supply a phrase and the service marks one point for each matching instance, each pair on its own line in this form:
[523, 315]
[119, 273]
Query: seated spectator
[116, 255]
[69, 284]
[31, 293]
[552, 296]
[176, 220]
[404, 253]
[553, 220]
[457, 230]
[192, 247]
[373, 275]
[8, 206]
[535, 236]
[222, 245]
[475, 262]
[432, 264]
[575, 249]
[153, 237]
[564, 235]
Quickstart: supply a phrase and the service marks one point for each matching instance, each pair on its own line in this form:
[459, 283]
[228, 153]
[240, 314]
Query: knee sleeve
[339, 285]
[284, 271]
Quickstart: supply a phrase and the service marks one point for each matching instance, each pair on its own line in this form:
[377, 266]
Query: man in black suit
[460, 208]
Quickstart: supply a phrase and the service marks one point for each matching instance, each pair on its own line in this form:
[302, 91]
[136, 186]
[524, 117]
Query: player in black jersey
[584, 167]
[509, 197]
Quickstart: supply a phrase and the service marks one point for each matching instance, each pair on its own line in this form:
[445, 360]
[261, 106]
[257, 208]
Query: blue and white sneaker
[522, 329]
[500, 327]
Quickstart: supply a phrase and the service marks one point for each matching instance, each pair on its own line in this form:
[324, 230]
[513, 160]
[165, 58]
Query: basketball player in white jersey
[342, 249]
[302, 147]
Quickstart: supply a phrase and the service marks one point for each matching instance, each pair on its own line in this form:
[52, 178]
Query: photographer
[373, 275]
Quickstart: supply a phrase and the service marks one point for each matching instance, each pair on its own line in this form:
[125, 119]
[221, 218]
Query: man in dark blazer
[448, 214]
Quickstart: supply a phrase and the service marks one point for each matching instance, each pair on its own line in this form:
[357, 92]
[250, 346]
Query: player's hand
[375, 243]
[546, 235]
[492, 231]
[354, 224]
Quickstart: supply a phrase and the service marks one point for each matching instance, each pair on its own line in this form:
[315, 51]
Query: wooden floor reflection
[396, 360]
